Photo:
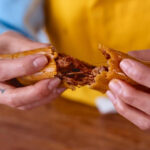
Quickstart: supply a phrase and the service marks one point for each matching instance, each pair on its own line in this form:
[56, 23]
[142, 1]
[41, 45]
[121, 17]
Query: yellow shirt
[76, 27]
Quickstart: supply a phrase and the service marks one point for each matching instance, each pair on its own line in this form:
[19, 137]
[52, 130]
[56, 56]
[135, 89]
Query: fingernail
[60, 90]
[54, 83]
[115, 86]
[125, 64]
[40, 61]
[111, 96]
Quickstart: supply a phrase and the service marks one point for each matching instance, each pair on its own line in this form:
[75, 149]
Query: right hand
[30, 96]
[131, 103]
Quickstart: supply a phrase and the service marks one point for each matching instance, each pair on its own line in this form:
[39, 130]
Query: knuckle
[12, 99]
[41, 93]
[11, 102]
[3, 77]
[120, 109]
[140, 75]
[57, 93]
[127, 94]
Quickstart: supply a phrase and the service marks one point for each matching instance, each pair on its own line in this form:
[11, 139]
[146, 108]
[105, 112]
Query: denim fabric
[23, 16]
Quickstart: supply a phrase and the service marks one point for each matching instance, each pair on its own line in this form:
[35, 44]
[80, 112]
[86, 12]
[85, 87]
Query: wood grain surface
[66, 125]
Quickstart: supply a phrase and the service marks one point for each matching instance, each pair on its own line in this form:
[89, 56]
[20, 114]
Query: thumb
[141, 54]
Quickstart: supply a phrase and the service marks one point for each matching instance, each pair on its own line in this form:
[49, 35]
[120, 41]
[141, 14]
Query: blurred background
[83, 119]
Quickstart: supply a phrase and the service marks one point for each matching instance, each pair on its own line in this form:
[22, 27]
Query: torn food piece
[76, 73]
[114, 71]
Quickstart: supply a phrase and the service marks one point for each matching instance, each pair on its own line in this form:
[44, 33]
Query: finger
[137, 117]
[26, 95]
[4, 87]
[142, 55]
[12, 42]
[33, 45]
[131, 96]
[10, 69]
[55, 94]
[136, 71]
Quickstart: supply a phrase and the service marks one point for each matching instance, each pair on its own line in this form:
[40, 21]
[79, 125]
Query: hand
[30, 96]
[131, 103]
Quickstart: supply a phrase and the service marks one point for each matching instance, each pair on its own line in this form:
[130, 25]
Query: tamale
[76, 73]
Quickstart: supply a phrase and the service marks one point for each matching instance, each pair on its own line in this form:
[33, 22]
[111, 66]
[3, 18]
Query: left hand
[131, 103]
[31, 96]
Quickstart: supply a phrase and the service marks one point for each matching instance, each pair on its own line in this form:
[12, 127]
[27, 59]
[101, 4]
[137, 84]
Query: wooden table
[66, 125]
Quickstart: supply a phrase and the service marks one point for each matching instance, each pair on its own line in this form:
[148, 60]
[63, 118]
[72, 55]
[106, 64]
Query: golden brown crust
[101, 80]
[48, 72]
[114, 72]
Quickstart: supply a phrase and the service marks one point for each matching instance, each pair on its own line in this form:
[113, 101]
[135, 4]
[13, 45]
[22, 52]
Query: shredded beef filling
[76, 72]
